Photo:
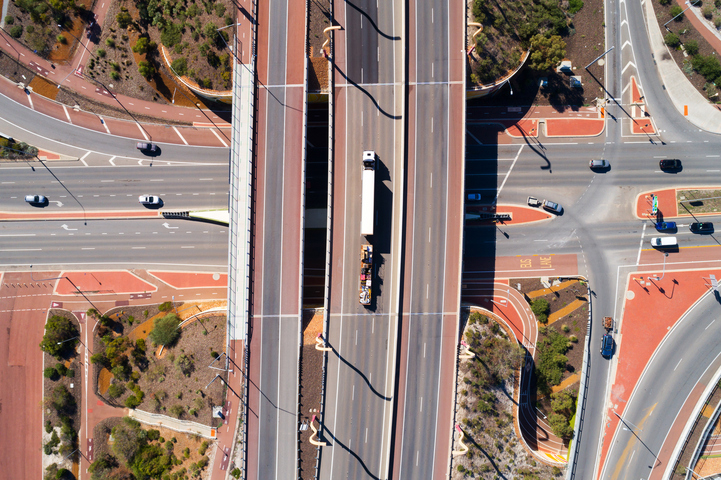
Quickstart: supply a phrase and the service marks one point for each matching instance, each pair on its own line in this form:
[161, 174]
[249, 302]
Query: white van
[661, 242]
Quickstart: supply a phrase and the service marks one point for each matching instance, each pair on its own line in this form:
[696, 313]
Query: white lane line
[507, 174]
[421, 408]
[366, 434]
[156, 179]
[20, 249]
[679, 363]
[219, 138]
[67, 114]
[181, 137]
[713, 171]
[640, 244]
[19, 235]
[112, 162]
[429, 234]
[713, 156]
[204, 179]
[188, 246]
[88, 248]
[102, 120]
[352, 393]
[356, 337]
[145, 136]
[82, 159]
[107, 181]
[709, 324]
[424, 349]
[6, 183]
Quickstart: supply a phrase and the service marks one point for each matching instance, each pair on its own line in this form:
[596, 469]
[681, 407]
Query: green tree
[165, 331]
[116, 390]
[57, 331]
[564, 402]
[672, 40]
[691, 47]
[171, 34]
[124, 19]
[146, 69]
[708, 66]
[546, 52]
[211, 32]
[62, 400]
[51, 373]
[574, 6]
[541, 308]
[559, 425]
[180, 66]
[677, 12]
[129, 440]
[144, 45]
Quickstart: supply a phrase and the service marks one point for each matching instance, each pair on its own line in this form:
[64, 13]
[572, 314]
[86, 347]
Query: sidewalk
[687, 100]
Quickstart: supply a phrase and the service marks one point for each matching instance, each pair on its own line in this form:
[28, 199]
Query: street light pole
[226, 43]
[665, 254]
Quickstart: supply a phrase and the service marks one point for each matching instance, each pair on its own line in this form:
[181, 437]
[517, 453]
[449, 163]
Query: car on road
[552, 207]
[701, 227]
[599, 164]
[607, 345]
[149, 199]
[664, 242]
[670, 164]
[36, 199]
[533, 201]
[147, 147]
[474, 197]
[665, 226]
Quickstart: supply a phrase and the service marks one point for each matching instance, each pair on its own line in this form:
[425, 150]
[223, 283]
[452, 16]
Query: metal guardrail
[582, 391]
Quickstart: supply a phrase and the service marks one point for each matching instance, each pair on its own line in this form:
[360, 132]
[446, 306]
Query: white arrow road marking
[67, 228]
[60, 204]
[166, 225]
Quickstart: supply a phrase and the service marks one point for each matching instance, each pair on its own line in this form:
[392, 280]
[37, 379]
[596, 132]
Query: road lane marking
[188, 246]
[640, 246]
[709, 324]
[138, 248]
[19, 235]
[507, 174]
[352, 393]
[356, 337]
[88, 248]
[156, 179]
[424, 349]
[713, 170]
[366, 434]
[181, 137]
[107, 181]
[679, 363]
[421, 404]
[20, 249]
[204, 179]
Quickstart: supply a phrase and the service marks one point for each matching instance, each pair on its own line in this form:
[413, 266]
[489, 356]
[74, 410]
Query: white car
[149, 199]
[36, 199]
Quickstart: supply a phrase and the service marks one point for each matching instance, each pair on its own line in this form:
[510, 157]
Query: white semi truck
[368, 198]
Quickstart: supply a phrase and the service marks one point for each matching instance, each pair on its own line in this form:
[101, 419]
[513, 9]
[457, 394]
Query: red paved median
[666, 204]
[519, 214]
[574, 127]
[179, 280]
[99, 283]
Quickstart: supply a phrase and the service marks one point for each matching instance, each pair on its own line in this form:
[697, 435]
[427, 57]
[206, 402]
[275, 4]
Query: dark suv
[607, 346]
[670, 164]
[702, 227]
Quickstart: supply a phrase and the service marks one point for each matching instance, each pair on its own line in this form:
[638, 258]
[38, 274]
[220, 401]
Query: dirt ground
[101, 435]
[311, 370]
[495, 449]
[162, 379]
[686, 32]
[72, 383]
[709, 201]
[318, 20]
[576, 321]
[584, 43]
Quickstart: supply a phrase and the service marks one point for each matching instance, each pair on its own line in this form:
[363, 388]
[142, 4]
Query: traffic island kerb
[667, 205]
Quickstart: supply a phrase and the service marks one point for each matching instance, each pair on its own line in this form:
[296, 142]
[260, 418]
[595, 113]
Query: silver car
[552, 207]
[149, 199]
[600, 164]
[36, 199]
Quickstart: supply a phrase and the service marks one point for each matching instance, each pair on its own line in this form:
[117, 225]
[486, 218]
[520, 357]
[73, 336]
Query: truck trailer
[368, 198]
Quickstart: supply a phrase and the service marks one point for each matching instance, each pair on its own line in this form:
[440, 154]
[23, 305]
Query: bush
[664, 2]
[236, 472]
[100, 53]
[51, 373]
[180, 66]
[146, 69]
[16, 31]
[132, 401]
[61, 39]
[166, 331]
[143, 46]
[62, 400]
[559, 425]
[717, 22]
[203, 448]
[171, 34]
[676, 12]
[551, 359]
[48, 426]
[177, 411]
[110, 42]
[61, 369]
[116, 390]
[114, 75]
[691, 47]
[124, 19]
[573, 338]
[711, 90]
[672, 40]
[9, 19]
[165, 307]
[541, 308]
[708, 66]
[57, 331]
[30, 29]
[153, 434]
[574, 6]
[707, 11]
[211, 32]
[185, 364]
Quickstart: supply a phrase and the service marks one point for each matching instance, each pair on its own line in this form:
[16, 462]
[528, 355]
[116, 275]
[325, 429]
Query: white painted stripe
[181, 137]
[219, 137]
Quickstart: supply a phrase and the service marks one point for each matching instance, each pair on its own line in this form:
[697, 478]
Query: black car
[670, 164]
[607, 346]
[702, 227]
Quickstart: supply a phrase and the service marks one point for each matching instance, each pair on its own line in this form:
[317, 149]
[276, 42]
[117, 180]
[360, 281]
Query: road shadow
[361, 374]
[366, 92]
[327, 435]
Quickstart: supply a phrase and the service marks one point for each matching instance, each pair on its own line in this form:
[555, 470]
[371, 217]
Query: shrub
[51, 373]
[672, 40]
[560, 426]
[180, 66]
[541, 308]
[143, 46]
[100, 53]
[664, 2]
[30, 29]
[116, 390]
[165, 307]
[574, 6]
[708, 66]
[716, 22]
[61, 39]
[711, 90]
[132, 401]
[61, 369]
[676, 12]
[171, 34]
[57, 331]
[236, 472]
[186, 453]
[573, 338]
[146, 69]
[16, 31]
[62, 400]
[166, 331]
[185, 364]
[146, 313]
[203, 448]
[124, 19]
[9, 19]
[114, 75]
[153, 434]
[551, 359]
[707, 11]
[211, 32]
[177, 411]
[48, 426]
[566, 328]
[691, 47]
